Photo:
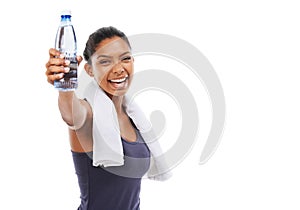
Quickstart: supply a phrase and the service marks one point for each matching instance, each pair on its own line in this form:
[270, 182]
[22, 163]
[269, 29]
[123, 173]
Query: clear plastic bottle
[66, 43]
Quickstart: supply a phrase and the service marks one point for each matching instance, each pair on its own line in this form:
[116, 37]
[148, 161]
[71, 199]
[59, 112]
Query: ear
[89, 70]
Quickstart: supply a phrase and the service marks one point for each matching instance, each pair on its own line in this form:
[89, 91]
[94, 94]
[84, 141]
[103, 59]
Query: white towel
[109, 152]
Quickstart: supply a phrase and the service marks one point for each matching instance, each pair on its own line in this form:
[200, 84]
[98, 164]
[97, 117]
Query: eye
[105, 62]
[126, 59]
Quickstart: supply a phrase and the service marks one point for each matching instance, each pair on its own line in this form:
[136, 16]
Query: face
[112, 66]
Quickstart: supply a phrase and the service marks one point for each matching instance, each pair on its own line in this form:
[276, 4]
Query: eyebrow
[108, 56]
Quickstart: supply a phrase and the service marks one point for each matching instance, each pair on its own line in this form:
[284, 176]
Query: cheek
[100, 76]
[102, 82]
[129, 68]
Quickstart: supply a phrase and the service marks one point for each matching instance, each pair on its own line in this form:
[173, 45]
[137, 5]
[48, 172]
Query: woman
[110, 64]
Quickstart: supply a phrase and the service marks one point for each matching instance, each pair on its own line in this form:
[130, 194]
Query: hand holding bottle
[57, 66]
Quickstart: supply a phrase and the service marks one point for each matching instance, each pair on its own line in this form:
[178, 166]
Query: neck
[118, 103]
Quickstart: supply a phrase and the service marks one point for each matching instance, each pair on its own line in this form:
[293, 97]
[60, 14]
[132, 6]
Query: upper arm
[81, 136]
[82, 115]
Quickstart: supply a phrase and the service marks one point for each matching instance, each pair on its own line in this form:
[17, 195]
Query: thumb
[79, 59]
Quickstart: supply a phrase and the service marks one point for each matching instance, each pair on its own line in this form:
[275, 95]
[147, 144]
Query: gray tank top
[113, 188]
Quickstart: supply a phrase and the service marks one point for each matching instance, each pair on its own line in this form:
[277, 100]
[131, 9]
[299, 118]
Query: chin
[115, 93]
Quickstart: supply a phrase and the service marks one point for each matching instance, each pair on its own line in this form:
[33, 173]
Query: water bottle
[65, 42]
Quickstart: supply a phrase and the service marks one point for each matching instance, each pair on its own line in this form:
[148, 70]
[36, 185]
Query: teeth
[119, 80]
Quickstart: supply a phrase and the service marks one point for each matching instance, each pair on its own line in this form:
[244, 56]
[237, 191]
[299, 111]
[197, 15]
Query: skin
[111, 61]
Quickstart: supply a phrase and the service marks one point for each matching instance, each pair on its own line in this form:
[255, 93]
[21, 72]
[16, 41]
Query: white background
[253, 46]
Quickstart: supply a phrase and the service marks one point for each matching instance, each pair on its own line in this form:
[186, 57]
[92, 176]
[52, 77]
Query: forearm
[71, 108]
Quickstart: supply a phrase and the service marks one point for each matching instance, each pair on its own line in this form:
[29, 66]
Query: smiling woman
[111, 65]
[107, 179]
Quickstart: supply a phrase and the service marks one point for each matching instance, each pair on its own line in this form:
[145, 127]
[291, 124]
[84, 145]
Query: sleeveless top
[113, 188]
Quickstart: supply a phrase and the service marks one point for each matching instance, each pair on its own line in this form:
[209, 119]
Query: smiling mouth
[119, 80]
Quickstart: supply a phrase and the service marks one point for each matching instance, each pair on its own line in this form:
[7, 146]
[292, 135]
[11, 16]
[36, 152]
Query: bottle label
[69, 81]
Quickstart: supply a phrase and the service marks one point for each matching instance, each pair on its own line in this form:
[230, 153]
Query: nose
[118, 68]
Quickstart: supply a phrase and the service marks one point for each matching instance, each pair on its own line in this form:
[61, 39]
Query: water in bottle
[65, 42]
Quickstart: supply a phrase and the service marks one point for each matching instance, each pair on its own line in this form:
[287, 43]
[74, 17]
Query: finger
[57, 69]
[57, 62]
[53, 77]
[54, 53]
[49, 80]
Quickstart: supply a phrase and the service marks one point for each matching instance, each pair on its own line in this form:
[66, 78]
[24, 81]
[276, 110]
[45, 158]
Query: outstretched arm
[74, 111]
